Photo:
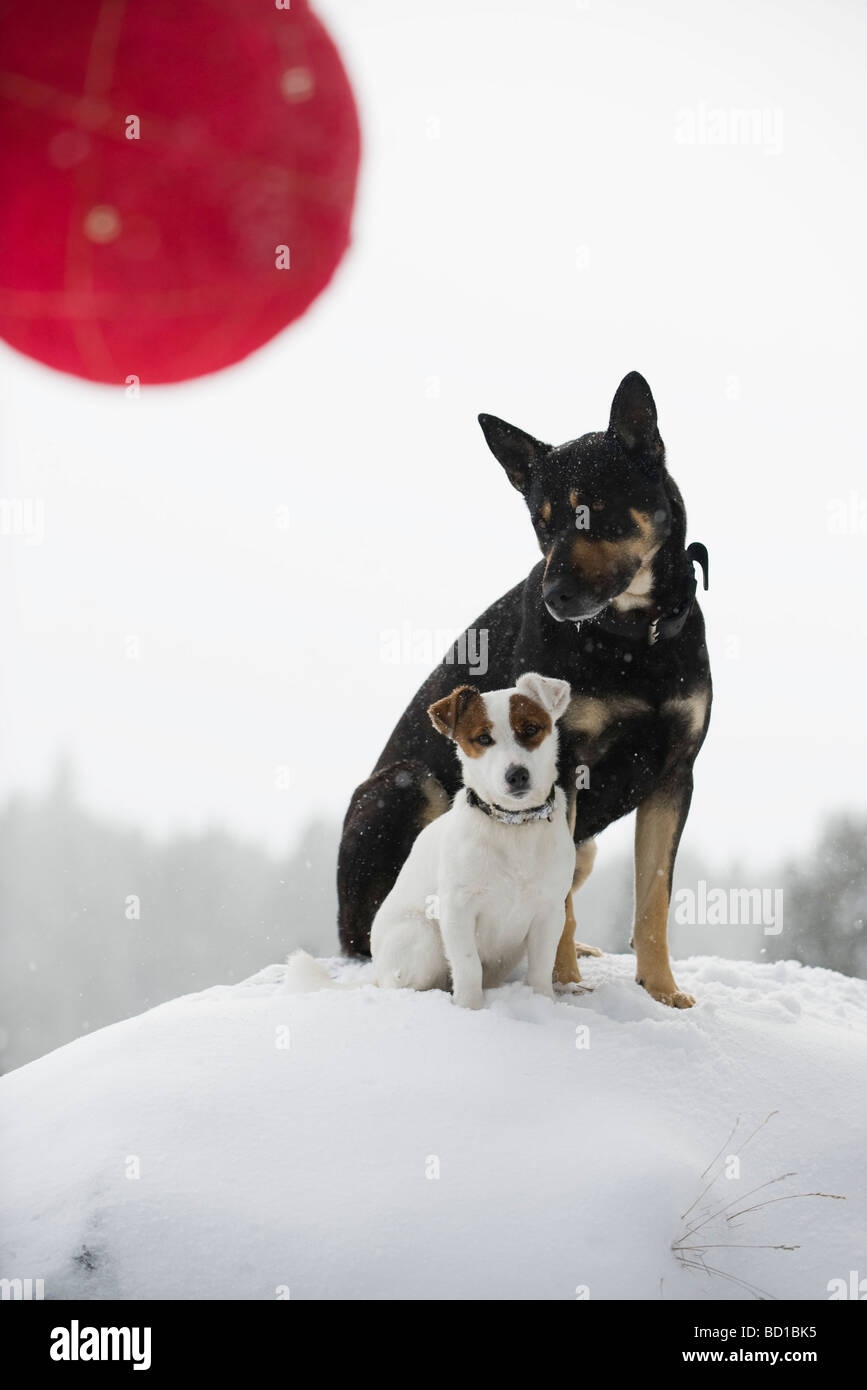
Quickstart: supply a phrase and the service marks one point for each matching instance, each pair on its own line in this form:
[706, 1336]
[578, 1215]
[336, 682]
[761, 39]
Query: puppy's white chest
[515, 870]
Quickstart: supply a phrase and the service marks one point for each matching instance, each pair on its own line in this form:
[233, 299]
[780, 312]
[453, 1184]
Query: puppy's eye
[530, 730]
[484, 739]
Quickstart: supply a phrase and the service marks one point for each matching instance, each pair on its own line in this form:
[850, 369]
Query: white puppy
[485, 882]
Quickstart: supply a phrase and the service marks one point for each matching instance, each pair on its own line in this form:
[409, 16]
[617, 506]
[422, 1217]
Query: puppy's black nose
[517, 778]
[559, 593]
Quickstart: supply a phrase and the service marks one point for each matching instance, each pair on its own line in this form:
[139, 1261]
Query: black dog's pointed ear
[633, 418]
[514, 449]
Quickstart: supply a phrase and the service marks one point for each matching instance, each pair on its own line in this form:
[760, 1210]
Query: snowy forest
[103, 921]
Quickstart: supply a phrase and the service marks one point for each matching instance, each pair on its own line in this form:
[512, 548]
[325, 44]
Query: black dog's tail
[385, 815]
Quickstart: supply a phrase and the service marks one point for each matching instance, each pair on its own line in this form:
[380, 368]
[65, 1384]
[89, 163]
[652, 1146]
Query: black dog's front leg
[658, 826]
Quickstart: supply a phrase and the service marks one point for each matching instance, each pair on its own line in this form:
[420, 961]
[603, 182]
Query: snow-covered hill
[245, 1143]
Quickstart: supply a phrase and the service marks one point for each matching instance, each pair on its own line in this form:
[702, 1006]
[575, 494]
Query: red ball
[178, 179]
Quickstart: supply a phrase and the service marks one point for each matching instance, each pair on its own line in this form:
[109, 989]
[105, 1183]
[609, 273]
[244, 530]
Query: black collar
[640, 627]
[532, 813]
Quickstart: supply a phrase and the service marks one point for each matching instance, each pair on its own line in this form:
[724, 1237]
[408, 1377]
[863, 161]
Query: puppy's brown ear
[445, 713]
[551, 694]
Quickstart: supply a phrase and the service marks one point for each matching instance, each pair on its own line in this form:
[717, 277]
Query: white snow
[266, 1168]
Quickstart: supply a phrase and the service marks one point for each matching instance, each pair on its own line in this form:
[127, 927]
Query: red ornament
[178, 180]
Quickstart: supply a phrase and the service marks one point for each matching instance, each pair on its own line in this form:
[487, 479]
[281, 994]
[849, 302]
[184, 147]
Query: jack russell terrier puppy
[484, 883]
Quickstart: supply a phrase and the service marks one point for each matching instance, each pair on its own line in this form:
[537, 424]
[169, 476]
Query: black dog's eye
[484, 739]
[598, 505]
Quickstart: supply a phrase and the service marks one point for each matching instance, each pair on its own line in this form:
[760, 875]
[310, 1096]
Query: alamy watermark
[847, 516]
[854, 1288]
[730, 907]
[21, 1290]
[77, 1343]
[422, 646]
[760, 127]
[24, 517]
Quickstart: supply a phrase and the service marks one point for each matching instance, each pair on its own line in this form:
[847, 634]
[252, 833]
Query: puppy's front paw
[582, 950]
[572, 987]
[542, 987]
[469, 1000]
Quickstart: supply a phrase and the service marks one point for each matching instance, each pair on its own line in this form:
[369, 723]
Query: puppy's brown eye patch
[530, 722]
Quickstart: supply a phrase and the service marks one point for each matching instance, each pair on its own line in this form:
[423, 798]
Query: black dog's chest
[615, 749]
[594, 724]
[595, 728]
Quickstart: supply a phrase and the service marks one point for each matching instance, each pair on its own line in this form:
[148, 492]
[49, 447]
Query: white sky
[529, 229]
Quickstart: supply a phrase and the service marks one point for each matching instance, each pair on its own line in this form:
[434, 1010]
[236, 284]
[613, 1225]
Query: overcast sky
[541, 210]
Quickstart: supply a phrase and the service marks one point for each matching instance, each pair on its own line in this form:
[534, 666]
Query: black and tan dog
[611, 608]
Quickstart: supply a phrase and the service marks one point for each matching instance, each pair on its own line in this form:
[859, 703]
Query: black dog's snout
[517, 778]
[568, 597]
[559, 593]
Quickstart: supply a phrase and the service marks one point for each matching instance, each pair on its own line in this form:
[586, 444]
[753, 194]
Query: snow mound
[248, 1143]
